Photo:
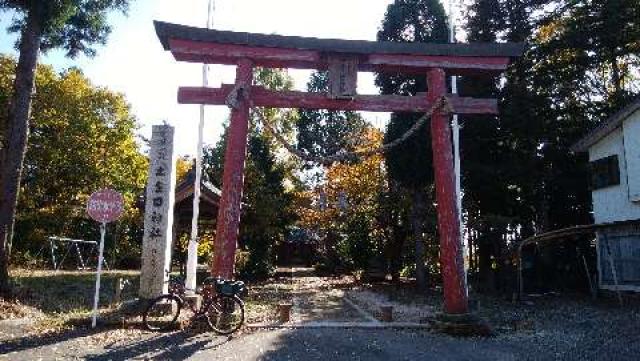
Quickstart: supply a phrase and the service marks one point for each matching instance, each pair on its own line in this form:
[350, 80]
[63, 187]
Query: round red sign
[105, 205]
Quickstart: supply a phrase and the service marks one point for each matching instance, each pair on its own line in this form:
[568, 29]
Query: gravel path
[320, 298]
[10, 329]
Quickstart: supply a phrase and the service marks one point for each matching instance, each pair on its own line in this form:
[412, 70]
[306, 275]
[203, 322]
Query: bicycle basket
[229, 288]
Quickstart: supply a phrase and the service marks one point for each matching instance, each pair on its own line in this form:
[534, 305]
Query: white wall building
[614, 155]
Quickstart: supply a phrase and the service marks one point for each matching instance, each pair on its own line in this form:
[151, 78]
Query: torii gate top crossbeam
[227, 47]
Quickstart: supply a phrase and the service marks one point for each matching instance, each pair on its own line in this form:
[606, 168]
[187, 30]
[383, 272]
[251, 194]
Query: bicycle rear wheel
[225, 314]
[162, 313]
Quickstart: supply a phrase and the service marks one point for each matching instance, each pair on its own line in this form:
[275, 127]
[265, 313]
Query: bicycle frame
[214, 304]
[208, 295]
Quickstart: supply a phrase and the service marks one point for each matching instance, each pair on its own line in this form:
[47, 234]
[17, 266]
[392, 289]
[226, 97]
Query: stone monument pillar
[158, 215]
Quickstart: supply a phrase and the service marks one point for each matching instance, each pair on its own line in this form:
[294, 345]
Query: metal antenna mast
[192, 256]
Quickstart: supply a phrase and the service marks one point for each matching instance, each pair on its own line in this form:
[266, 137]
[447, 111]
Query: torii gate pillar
[233, 176]
[451, 261]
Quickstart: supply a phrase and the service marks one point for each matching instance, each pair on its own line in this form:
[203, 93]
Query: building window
[605, 172]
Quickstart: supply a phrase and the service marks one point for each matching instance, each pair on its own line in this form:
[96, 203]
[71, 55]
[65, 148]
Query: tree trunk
[390, 221]
[469, 250]
[393, 251]
[417, 218]
[15, 144]
[616, 77]
[483, 252]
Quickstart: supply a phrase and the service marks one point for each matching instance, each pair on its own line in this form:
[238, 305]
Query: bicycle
[221, 307]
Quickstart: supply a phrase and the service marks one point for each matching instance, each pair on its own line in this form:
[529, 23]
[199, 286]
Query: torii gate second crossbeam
[343, 59]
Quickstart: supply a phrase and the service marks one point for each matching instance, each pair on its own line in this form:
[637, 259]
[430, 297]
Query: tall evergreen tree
[410, 164]
[564, 84]
[324, 133]
[493, 199]
[73, 25]
[267, 214]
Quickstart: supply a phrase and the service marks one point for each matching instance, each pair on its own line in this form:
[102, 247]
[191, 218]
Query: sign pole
[96, 297]
[104, 206]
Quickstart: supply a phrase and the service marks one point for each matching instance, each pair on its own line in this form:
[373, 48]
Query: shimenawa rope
[233, 101]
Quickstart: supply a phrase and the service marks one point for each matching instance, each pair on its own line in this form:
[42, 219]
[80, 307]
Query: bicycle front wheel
[162, 313]
[225, 314]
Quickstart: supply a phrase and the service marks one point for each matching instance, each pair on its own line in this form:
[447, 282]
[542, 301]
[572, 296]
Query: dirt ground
[553, 327]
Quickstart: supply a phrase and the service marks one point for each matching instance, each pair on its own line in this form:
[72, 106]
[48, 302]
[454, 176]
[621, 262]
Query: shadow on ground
[372, 345]
[174, 346]
[34, 341]
[177, 345]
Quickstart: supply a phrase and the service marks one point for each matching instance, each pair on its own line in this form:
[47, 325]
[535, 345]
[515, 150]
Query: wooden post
[614, 273]
[451, 261]
[386, 313]
[284, 312]
[233, 176]
[117, 297]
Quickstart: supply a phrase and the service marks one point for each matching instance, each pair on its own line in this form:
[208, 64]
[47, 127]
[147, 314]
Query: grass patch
[59, 299]
[64, 299]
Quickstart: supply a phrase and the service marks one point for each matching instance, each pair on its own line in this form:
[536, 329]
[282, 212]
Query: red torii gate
[343, 59]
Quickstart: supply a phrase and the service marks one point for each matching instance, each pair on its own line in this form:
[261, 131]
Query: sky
[134, 63]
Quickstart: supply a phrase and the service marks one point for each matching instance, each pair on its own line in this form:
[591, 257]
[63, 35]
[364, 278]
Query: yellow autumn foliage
[349, 188]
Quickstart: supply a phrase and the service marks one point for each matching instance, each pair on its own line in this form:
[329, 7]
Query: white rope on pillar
[192, 253]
